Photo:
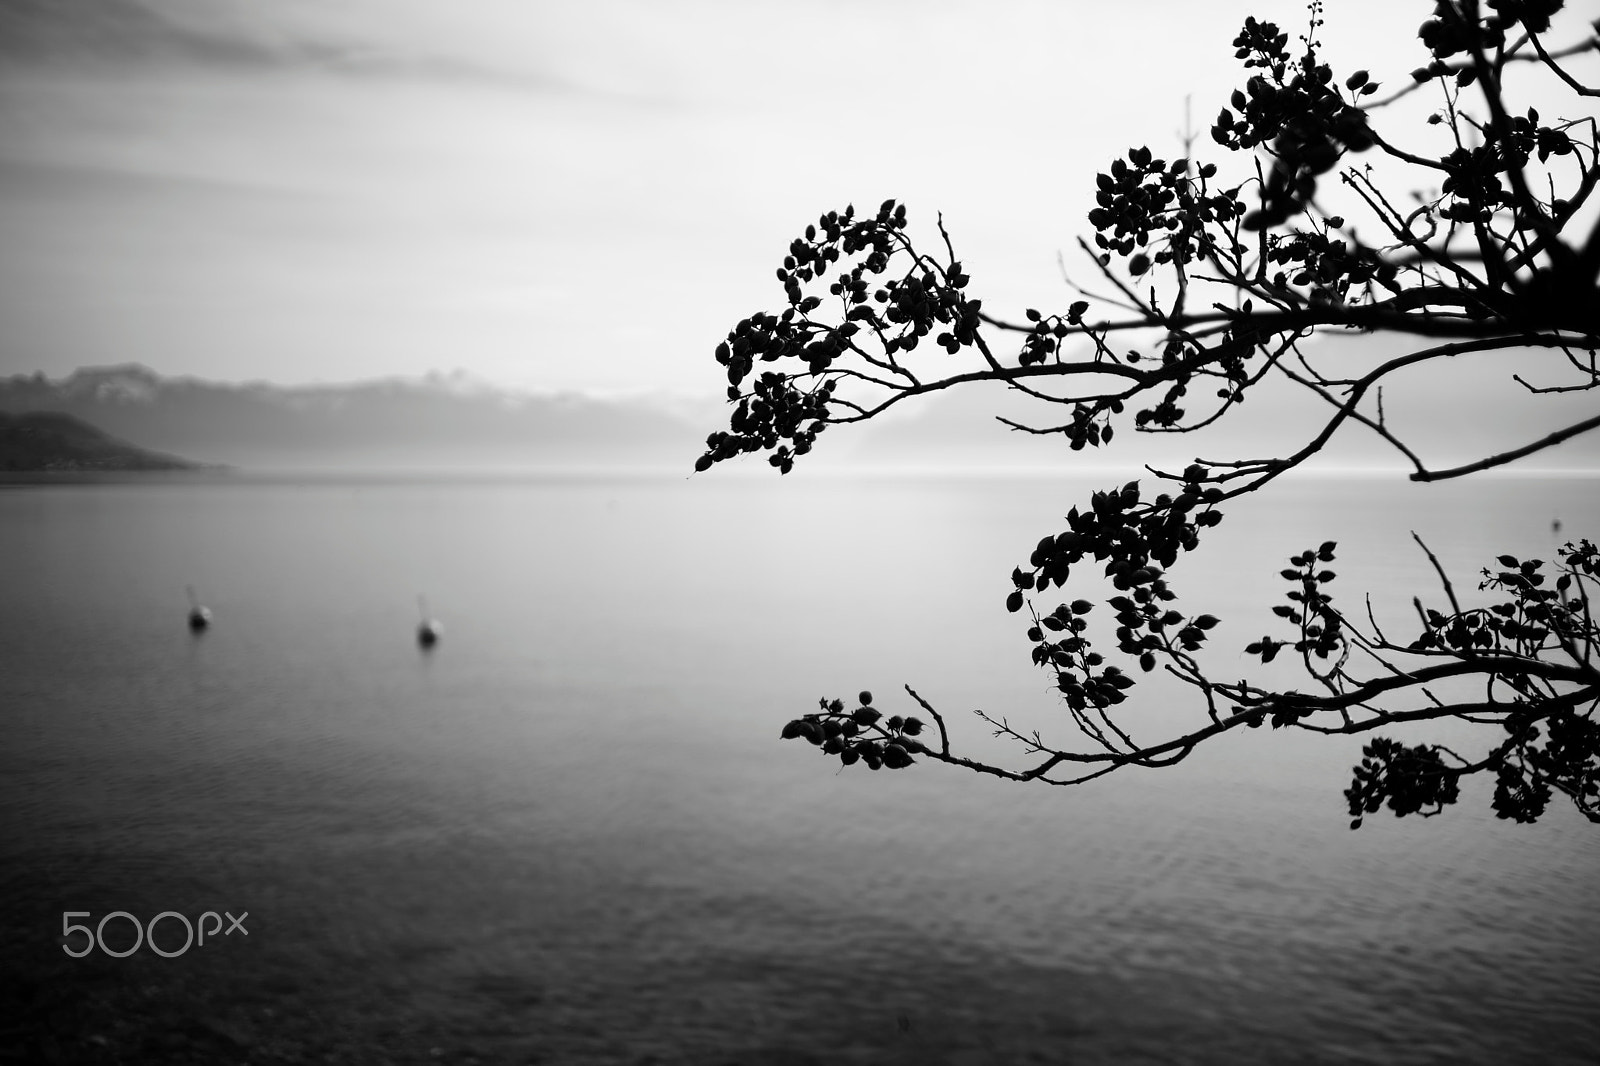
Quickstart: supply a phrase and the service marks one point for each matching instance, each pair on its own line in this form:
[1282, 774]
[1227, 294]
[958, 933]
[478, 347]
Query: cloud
[343, 39]
[43, 33]
[560, 194]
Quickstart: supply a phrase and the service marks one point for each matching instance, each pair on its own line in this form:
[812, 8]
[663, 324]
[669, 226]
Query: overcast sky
[554, 195]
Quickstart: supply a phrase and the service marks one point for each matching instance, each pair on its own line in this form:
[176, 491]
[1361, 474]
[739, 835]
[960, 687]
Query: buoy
[199, 617]
[428, 629]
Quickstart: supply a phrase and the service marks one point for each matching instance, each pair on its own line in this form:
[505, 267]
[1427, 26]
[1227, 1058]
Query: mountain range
[432, 423]
[1454, 411]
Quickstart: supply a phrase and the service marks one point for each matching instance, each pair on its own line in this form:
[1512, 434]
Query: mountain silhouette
[436, 422]
[51, 441]
[441, 422]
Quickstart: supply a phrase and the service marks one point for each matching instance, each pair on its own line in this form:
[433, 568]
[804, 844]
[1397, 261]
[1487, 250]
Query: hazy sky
[553, 195]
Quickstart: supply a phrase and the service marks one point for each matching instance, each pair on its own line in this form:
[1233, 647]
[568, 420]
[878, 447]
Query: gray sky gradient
[553, 195]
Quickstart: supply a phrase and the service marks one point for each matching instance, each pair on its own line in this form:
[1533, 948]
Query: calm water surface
[570, 833]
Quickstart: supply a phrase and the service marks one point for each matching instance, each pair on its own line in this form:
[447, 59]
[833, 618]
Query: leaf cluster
[1293, 107]
[861, 734]
[1207, 288]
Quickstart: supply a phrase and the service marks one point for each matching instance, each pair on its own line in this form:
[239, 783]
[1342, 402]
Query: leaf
[1014, 601]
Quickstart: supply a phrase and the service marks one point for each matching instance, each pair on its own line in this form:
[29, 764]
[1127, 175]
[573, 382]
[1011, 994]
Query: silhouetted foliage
[1486, 260]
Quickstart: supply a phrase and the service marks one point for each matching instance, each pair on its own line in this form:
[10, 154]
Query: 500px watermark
[146, 933]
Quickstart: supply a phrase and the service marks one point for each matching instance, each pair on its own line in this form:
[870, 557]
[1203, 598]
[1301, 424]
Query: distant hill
[435, 422]
[51, 441]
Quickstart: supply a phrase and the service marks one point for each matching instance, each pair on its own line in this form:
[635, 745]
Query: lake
[571, 834]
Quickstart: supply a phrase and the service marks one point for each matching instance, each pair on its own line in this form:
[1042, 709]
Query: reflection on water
[570, 834]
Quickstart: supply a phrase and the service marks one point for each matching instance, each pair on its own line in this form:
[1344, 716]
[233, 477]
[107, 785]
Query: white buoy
[429, 629]
[199, 617]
